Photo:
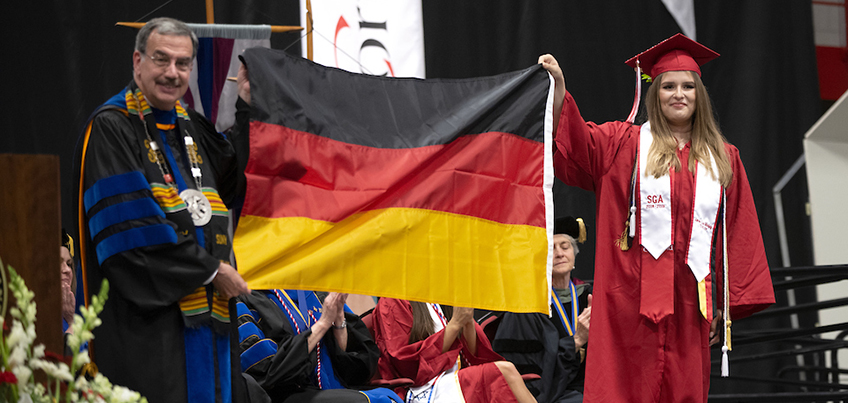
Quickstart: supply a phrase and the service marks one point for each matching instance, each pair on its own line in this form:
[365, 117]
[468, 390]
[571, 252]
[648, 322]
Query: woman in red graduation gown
[663, 190]
[444, 352]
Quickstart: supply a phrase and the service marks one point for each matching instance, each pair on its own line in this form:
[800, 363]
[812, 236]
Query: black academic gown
[285, 376]
[539, 344]
[140, 343]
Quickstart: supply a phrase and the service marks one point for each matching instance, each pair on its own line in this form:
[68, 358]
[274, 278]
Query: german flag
[427, 190]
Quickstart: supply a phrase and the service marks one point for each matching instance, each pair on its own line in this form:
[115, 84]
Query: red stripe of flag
[304, 175]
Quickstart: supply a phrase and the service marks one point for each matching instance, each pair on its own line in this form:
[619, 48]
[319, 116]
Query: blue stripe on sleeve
[135, 238]
[126, 211]
[260, 350]
[248, 329]
[381, 395]
[242, 309]
[114, 185]
[254, 354]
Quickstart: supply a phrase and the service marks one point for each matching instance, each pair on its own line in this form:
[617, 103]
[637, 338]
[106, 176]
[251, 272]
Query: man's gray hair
[164, 26]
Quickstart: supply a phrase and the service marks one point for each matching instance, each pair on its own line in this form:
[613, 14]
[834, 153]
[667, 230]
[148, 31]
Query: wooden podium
[30, 236]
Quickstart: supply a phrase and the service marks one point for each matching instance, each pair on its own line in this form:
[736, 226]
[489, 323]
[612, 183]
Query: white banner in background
[378, 37]
[683, 12]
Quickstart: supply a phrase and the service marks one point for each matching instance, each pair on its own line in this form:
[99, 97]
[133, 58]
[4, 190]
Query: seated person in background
[553, 346]
[299, 350]
[359, 304]
[444, 353]
[66, 268]
[68, 285]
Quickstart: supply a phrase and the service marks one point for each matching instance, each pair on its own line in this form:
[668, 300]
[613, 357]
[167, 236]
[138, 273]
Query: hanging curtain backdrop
[217, 58]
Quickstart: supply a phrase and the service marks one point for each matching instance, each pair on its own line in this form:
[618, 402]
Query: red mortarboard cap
[678, 53]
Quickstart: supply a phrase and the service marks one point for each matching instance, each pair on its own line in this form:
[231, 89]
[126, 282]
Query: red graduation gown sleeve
[586, 151]
[751, 288]
[423, 360]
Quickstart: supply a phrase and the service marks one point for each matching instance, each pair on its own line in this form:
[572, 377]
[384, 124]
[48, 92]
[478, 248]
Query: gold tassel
[727, 335]
[623, 241]
[89, 370]
[582, 237]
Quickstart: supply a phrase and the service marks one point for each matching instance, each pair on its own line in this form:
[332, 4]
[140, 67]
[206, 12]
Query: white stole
[656, 220]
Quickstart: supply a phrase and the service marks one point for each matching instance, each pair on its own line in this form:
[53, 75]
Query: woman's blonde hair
[422, 322]
[706, 136]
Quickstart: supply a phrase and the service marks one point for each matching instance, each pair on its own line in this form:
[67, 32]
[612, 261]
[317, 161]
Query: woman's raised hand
[552, 66]
[462, 316]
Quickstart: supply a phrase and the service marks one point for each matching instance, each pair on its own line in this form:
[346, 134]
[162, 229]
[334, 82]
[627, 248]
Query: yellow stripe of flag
[399, 253]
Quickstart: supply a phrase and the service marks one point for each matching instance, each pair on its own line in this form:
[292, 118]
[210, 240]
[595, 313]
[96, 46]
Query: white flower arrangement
[19, 360]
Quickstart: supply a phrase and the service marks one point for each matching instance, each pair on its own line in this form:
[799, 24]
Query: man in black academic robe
[154, 183]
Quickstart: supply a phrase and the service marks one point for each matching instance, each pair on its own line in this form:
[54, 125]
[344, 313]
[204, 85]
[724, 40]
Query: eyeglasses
[183, 64]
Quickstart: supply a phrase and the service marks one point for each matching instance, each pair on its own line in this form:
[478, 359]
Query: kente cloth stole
[203, 305]
[656, 231]
[205, 312]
